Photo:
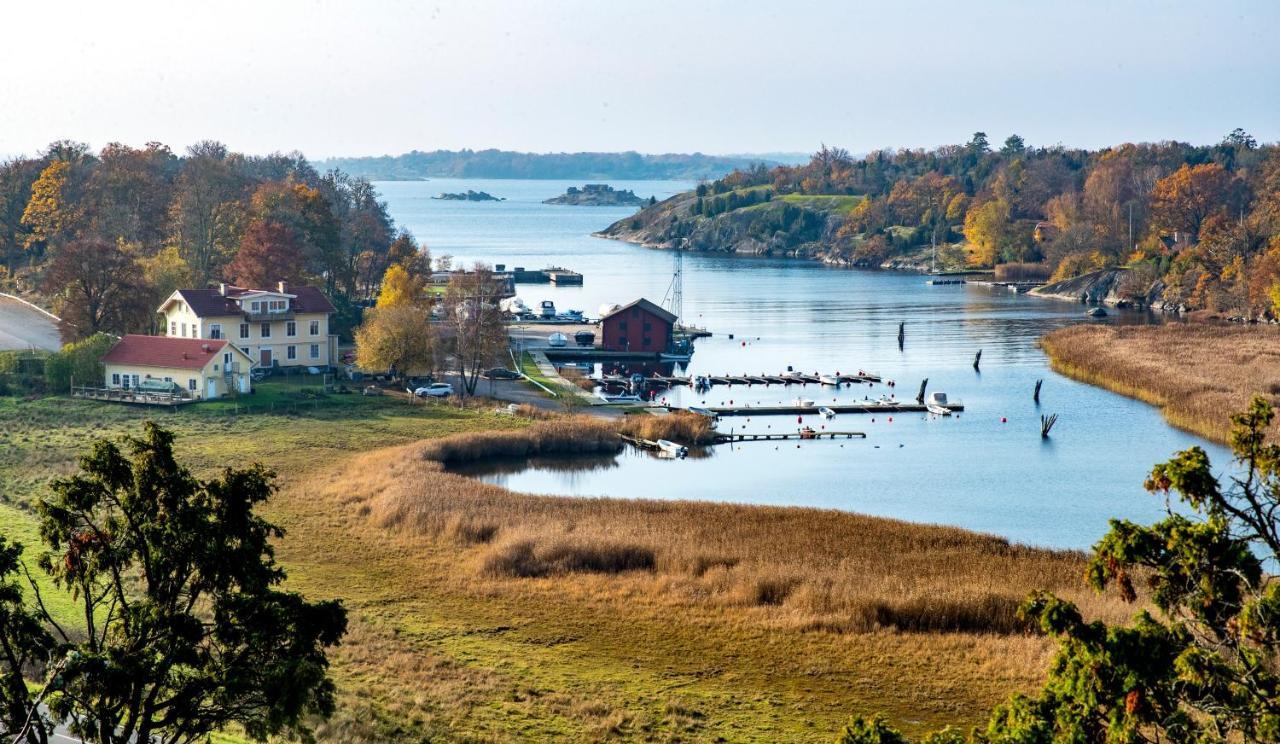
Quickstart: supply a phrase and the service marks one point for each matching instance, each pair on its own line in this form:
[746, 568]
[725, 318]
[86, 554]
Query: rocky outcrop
[1107, 287]
[469, 195]
[597, 195]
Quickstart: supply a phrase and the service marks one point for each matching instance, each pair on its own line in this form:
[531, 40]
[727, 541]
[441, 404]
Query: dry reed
[1198, 374]
[677, 426]
[570, 435]
[802, 568]
[1012, 272]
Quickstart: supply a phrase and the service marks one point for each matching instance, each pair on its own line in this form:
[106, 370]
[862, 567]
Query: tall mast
[677, 285]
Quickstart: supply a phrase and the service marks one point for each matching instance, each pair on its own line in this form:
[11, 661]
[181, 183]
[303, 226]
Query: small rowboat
[827, 412]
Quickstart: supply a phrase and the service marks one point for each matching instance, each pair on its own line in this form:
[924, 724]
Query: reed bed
[1197, 374]
[677, 426]
[568, 435]
[804, 569]
[1023, 272]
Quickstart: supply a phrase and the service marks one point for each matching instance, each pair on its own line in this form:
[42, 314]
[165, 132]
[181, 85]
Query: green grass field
[436, 651]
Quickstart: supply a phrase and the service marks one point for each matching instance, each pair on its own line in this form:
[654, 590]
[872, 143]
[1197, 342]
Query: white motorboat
[671, 448]
[827, 412]
[622, 398]
[804, 402]
[829, 380]
[937, 404]
[557, 340]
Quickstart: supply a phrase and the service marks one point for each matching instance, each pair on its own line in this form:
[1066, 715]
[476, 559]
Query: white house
[280, 327]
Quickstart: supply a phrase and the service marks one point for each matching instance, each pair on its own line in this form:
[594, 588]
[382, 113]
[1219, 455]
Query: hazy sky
[376, 77]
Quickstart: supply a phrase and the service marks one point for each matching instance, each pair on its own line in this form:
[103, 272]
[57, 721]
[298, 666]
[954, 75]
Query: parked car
[501, 373]
[435, 390]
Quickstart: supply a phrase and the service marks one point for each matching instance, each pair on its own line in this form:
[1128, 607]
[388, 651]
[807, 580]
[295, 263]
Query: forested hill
[418, 165]
[1187, 226]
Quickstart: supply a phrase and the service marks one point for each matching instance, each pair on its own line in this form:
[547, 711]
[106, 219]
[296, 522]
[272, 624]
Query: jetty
[787, 378]
[870, 406]
[733, 438]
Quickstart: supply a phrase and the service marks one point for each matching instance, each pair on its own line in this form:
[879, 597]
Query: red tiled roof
[164, 351]
[647, 306]
[211, 302]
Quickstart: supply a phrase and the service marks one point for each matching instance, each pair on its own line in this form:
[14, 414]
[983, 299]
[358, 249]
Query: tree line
[1203, 220]
[105, 236]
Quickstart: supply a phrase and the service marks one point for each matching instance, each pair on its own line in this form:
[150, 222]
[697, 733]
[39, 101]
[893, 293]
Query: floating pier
[729, 438]
[789, 378]
[798, 410]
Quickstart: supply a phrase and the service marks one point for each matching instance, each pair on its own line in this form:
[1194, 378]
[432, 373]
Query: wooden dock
[733, 438]
[788, 378]
[839, 408]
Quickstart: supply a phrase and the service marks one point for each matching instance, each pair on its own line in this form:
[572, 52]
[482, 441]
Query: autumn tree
[207, 210]
[182, 628]
[96, 286]
[128, 191]
[164, 272]
[1185, 199]
[269, 253]
[409, 255]
[400, 288]
[399, 338]
[987, 228]
[478, 333]
[16, 179]
[53, 214]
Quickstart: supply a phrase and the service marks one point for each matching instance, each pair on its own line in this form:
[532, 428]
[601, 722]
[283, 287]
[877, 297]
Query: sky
[385, 77]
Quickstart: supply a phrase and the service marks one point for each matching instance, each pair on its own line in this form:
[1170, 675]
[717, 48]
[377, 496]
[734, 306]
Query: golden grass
[1197, 374]
[772, 623]
[1008, 272]
[568, 435]
[677, 426]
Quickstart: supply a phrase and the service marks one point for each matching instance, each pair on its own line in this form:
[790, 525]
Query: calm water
[973, 471]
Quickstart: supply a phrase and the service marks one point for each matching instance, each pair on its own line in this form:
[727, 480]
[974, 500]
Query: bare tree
[471, 313]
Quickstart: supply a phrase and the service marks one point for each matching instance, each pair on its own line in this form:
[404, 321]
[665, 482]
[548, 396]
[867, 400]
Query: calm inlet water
[987, 469]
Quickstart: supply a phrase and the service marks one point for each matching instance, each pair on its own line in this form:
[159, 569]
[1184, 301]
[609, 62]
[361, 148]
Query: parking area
[24, 327]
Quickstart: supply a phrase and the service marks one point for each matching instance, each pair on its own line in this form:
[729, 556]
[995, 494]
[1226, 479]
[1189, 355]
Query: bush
[79, 362]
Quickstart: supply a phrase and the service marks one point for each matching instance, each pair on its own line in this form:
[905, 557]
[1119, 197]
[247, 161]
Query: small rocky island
[598, 195]
[469, 195]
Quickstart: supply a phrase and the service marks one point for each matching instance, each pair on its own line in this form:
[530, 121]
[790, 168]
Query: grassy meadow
[1197, 374]
[478, 614]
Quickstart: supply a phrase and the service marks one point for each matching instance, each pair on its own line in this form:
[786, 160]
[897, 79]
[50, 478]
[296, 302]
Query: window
[191, 383]
[647, 327]
[168, 379]
[291, 352]
[215, 330]
[315, 351]
[315, 328]
[115, 379]
[290, 328]
[265, 330]
[257, 306]
[135, 380]
[184, 329]
[226, 359]
[173, 328]
[245, 349]
[244, 330]
[215, 368]
[125, 382]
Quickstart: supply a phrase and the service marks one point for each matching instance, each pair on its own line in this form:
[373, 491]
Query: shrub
[79, 362]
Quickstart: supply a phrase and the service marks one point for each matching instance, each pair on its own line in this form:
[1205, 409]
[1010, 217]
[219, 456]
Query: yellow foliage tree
[985, 228]
[401, 289]
[48, 214]
[398, 338]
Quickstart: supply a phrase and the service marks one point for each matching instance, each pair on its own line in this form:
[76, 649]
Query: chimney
[205, 347]
[222, 288]
[282, 287]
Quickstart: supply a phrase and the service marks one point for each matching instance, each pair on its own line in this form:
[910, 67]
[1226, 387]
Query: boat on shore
[671, 448]
[557, 340]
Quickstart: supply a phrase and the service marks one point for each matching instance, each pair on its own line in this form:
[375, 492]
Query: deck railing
[122, 395]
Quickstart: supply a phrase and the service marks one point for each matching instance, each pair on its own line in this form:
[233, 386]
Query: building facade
[280, 327]
[640, 326]
[196, 368]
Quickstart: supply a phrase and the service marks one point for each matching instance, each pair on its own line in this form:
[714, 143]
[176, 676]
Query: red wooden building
[637, 326]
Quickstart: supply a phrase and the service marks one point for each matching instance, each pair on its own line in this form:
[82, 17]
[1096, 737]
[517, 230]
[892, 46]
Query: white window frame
[315, 351]
[291, 328]
[315, 328]
[244, 330]
[215, 330]
[115, 379]
[265, 330]
[291, 352]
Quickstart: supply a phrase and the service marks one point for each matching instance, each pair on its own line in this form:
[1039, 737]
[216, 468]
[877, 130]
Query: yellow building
[281, 327]
[194, 367]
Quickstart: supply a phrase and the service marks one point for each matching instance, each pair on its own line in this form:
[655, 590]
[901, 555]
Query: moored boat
[671, 448]
[557, 340]
[827, 412]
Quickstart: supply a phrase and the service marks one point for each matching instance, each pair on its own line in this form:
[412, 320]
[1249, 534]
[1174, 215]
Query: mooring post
[1046, 423]
[920, 395]
[902, 334]
[1037, 395]
[977, 359]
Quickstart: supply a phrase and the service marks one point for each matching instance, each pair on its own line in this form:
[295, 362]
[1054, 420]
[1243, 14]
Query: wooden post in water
[920, 395]
[977, 359]
[902, 335]
[1046, 423]
[1037, 394]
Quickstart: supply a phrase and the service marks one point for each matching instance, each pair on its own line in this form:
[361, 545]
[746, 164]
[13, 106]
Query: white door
[244, 383]
[211, 391]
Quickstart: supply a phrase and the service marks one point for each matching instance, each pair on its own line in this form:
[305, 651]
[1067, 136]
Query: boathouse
[638, 326]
